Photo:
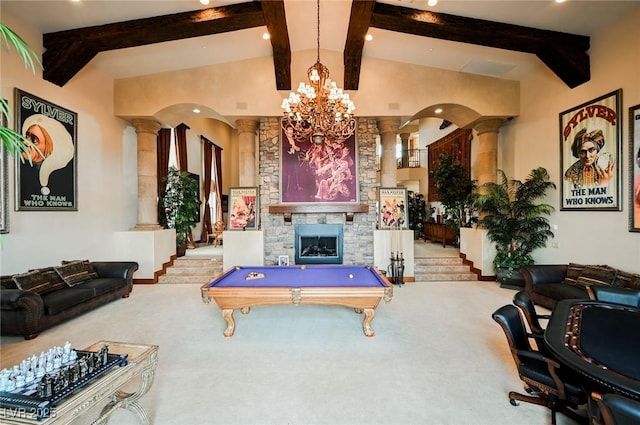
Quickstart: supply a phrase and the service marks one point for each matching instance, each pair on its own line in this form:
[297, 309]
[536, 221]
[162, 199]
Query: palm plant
[514, 221]
[12, 140]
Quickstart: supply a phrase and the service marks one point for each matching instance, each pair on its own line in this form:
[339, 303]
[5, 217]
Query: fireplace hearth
[318, 243]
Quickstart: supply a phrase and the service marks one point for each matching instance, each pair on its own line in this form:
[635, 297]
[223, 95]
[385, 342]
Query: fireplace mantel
[348, 209]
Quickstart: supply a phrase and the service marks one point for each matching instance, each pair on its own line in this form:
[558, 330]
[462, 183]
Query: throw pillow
[596, 275]
[76, 272]
[627, 280]
[55, 282]
[573, 273]
[34, 281]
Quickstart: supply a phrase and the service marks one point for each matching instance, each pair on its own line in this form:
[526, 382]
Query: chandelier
[319, 110]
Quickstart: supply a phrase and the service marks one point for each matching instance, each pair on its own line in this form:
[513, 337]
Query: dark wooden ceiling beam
[565, 54]
[276, 22]
[60, 65]
[359, 22]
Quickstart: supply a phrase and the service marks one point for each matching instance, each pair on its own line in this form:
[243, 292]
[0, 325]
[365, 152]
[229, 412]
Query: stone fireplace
[279, 228]
[318, 243]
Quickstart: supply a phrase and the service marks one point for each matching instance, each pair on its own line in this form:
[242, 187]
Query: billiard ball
[350, 276]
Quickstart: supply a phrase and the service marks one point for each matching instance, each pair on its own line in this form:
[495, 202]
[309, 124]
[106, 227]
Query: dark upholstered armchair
[615, 409]
[625, 296]
[547, 384]
[522, 300]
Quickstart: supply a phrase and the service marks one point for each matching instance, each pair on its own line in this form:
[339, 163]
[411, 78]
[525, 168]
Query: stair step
[429, 269]
[191, 269]
[437, 260]
[197, 261]
[200, 280]
[441, 268]
[430, 277]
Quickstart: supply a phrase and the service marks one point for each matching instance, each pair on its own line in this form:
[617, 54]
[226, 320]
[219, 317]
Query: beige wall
[107, 181]
[106, 166]
[532, 140]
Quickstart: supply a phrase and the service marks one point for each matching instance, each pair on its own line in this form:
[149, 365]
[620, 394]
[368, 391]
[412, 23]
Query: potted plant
[181, 202]
[417, 211]
[515, 222]
[457, 192]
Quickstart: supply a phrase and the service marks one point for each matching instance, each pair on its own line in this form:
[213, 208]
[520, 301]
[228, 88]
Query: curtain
[181, 146]
[218, 181]
[207, 229]
[163, 147]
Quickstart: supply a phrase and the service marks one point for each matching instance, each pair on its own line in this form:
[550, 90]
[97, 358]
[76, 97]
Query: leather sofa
[549, 283]
[42, 298]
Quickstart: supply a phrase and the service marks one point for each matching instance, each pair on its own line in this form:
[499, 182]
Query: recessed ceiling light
[438, 111]
[368, 37]
[204, 2]
[432, 2]
[560, 1]
[196, 110]
[266, 36]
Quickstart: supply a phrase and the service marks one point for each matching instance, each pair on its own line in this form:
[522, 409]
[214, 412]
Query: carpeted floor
[437, 358]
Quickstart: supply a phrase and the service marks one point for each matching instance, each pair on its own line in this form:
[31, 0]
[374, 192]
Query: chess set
[38, 383]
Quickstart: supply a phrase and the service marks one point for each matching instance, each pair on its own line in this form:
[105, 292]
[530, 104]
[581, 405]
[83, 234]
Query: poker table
[601, 341]
[358, 287]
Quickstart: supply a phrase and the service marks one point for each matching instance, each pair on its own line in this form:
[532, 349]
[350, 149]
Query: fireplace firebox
[318, 243]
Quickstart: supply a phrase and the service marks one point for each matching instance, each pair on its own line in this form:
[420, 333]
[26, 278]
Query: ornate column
[388, 129]
[247, 130]
[147, 131]
[488, 149]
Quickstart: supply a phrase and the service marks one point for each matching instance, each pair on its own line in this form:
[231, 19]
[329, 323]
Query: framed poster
[590, 147]
[634, 168]
[392, 210]
[322, 172]
[46, 179]
[243, 208]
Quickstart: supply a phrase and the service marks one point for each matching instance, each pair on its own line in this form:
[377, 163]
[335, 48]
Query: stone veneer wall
[279, 236]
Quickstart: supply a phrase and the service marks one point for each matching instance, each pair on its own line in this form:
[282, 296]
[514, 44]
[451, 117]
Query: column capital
[247, 125]
[146, 126]
[490, 125]
[388, 125]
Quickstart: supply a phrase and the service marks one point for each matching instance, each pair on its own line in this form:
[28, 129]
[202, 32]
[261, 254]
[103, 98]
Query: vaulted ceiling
[67, 52]
[77, 34]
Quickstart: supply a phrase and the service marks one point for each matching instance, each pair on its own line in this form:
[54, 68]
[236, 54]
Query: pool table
[359, 287]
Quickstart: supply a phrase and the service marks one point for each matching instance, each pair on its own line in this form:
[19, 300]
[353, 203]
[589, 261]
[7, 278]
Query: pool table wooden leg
[368, 317]
[227, 314]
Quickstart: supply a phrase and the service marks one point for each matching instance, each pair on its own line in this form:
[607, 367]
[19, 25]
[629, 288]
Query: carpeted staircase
[191, 269]
[441, 269]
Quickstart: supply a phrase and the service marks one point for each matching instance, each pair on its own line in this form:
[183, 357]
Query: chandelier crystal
[319, 110]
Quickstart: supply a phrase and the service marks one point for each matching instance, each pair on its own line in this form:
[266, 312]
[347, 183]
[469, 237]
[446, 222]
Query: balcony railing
[411, 158]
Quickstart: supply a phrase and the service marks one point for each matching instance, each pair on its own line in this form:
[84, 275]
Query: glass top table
[142, 360]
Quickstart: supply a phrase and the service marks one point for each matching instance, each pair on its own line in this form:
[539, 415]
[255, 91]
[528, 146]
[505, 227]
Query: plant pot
[181, 250]
[515, 281]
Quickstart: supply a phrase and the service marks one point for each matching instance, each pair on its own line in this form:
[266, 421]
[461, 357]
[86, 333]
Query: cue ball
[350, 276]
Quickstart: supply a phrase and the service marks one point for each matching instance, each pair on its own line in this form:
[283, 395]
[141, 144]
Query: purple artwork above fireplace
[318, 243]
